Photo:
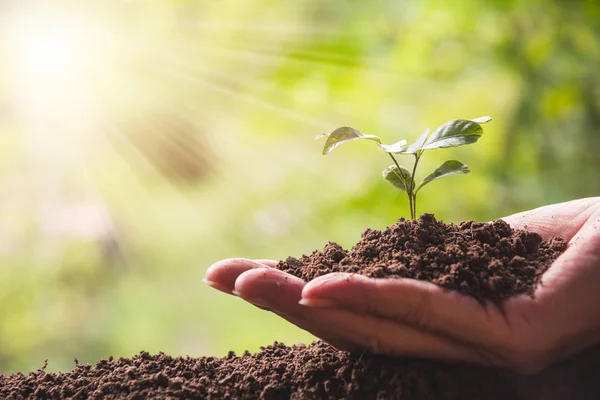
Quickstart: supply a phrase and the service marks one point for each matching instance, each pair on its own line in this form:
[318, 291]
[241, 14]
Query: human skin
[406, 317]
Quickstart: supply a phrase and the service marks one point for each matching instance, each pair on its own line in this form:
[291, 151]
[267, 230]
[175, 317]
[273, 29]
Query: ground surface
[303, 372]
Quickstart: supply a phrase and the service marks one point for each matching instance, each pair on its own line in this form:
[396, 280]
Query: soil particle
[317, 371]
[489, 261]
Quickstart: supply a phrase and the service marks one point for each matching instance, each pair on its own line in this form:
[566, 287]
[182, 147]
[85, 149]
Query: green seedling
[457, 132]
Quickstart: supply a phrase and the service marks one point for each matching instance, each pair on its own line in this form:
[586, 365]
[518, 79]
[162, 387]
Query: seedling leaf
[343, 135]
[394, 148]
[397, 177]
[451, 167]
[457, 132]
[418, 144]
[482, 120]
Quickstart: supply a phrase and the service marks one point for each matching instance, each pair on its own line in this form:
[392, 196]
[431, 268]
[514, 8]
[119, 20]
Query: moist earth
[488, 261]
[317, 371]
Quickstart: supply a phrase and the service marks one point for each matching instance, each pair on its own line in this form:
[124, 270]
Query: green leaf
[394, 148]
[448, 168]
[482, 120]
[397, 177]
[418, 144]
[343, 135]
[457, 132]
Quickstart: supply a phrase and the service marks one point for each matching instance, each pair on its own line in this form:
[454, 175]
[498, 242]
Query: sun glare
[48, 52]
[87, 82]
[49, 55]
[51, 68]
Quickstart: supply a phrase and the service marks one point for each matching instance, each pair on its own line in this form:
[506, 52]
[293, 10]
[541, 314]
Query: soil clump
[489, 261]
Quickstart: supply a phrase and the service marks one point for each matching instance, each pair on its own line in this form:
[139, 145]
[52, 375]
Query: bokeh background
[141, 141]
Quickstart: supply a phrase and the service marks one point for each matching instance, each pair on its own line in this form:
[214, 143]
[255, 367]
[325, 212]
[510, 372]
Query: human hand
[405, 317]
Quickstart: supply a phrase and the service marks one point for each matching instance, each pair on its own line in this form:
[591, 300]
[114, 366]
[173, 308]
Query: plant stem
[407, 185]
[412, 194]
[415, 205]
[411, 206]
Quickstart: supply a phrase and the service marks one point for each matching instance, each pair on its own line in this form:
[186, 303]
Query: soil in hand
[489, 261]
[316, 371]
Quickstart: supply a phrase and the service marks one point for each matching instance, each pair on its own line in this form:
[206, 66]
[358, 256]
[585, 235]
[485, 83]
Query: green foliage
[450, 167]
[454, 133]
[343, 135]
[457, 132]
[397, 176]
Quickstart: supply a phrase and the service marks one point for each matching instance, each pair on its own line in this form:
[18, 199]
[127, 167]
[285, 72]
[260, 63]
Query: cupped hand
[405, 317]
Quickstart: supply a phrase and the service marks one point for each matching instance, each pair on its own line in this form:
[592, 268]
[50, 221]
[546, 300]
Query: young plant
[453, 133]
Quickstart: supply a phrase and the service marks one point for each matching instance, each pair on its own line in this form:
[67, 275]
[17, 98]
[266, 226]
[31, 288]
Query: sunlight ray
[126, 146]
[225, 184]
[93, 187]
[272, 57]
[299, 30]
[197, 80]
[222, 194]
[135, 187]
[123, 150]
[276, 158]
[227, 192]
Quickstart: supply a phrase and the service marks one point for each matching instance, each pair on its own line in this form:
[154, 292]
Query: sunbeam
[196, 79]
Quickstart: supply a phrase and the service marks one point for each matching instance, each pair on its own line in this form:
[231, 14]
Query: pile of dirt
[489, 261]
[486, 261]
[302, 372]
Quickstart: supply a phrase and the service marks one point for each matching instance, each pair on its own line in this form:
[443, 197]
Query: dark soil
[486, 261]
[303, 372]
[489, 261]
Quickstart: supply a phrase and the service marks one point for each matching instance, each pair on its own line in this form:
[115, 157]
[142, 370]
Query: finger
[269, 287]
[563, 300]
[579, 263]
[415, 303]
[358, 332]
[281, 292]
[384, 336]
[563, 219]
[222, 275]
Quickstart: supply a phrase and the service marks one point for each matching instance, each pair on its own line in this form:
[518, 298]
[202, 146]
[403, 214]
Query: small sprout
[453, 133]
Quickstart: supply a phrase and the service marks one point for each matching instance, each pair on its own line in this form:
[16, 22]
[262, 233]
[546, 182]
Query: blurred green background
[141, 141]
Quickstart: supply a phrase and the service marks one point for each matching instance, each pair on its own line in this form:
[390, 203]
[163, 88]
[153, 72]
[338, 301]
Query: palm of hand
[405, 317]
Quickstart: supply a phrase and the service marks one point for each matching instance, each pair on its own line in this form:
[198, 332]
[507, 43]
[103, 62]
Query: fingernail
[209, 283]
[216, 285]
[317, 303]
[258, 303]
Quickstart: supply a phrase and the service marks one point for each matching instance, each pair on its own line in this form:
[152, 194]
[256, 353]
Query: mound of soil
[486, 261]
[302, 372]
[489, 261]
